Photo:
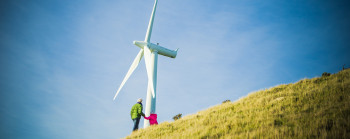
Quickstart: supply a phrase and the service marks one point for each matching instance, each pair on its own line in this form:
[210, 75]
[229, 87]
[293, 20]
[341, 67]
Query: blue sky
[62, 61]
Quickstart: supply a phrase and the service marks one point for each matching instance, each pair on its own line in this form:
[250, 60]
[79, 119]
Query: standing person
[136, 113]
[152, 119]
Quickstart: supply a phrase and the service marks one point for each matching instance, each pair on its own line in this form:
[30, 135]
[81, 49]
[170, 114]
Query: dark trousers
[136, 123]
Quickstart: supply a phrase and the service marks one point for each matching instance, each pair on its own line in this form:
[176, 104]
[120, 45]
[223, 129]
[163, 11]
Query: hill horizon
[310, 108]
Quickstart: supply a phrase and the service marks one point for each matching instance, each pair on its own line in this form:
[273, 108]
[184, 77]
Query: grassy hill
[310, 108]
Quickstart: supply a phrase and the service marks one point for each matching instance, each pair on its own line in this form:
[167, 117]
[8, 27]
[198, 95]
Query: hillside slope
[310, 108]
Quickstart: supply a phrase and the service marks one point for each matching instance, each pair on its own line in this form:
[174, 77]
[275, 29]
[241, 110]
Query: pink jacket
[152, 119]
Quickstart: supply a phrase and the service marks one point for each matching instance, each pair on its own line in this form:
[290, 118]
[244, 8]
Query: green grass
[310, 108]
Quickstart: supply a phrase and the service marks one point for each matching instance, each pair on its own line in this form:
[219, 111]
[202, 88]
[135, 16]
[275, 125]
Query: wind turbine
[150, 51]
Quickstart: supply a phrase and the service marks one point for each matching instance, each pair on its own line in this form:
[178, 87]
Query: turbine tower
[150, 51]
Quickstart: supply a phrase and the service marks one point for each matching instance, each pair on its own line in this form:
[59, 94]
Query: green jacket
[136, 111]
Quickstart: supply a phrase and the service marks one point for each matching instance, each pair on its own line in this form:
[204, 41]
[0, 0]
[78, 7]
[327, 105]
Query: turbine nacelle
[154, 47]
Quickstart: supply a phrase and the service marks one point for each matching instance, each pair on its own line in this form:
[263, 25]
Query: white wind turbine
[150, 51]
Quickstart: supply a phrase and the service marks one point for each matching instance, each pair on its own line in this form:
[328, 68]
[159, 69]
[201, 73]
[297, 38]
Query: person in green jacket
[136, 113]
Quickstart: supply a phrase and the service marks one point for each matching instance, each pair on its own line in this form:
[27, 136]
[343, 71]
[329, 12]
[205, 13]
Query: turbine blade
[149, 62]
[150, 25]
[131, 70]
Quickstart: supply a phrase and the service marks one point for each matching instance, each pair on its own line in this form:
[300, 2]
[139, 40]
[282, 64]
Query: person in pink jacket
[152, 119]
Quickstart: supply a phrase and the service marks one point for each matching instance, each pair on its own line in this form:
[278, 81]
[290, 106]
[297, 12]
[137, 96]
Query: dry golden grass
[310, 108]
